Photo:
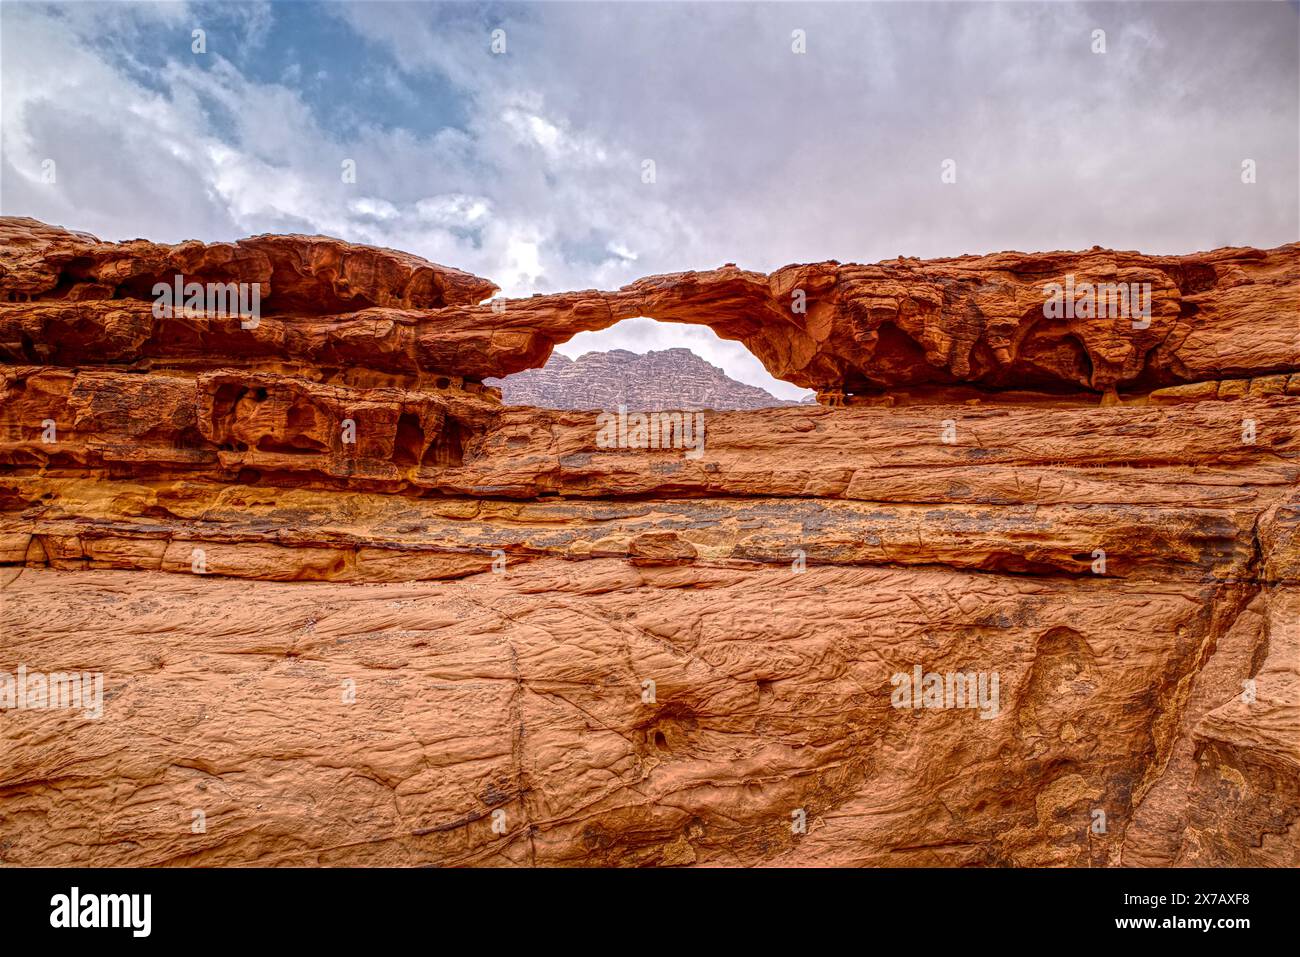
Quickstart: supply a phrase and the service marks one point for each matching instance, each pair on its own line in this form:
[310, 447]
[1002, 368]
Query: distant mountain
[655, 381]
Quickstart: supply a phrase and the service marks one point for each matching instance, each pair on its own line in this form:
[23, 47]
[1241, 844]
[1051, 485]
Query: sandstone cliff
[349, 608]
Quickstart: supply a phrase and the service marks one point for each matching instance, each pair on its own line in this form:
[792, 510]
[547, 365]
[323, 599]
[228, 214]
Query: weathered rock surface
[650, 382]
[355, 610]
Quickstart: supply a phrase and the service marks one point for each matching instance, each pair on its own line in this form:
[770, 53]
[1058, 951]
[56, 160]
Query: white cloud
[374, 208]
[621, 251]
[454, 209]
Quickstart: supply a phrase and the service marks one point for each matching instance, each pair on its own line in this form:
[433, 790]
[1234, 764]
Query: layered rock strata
[351, 609]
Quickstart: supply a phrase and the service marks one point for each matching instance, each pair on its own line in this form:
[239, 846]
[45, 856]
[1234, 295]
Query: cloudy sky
[528, 165]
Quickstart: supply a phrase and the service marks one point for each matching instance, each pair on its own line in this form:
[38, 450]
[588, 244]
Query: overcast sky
[528, 166]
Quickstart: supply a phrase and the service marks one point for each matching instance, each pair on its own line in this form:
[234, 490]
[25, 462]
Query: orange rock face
[1024, 589]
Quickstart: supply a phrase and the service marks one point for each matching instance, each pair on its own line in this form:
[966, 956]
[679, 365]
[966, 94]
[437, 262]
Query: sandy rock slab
[608, 713]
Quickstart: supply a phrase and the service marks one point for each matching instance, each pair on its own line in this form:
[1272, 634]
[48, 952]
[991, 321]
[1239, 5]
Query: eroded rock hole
[408, 444]
[448, 450]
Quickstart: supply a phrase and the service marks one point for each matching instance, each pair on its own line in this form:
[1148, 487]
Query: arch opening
[650, 365]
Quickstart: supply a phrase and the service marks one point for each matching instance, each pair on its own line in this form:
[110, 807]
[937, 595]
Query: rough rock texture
[356, 611]
[649, 382]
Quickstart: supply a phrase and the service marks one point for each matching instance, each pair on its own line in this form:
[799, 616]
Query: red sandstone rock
[349, 606]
